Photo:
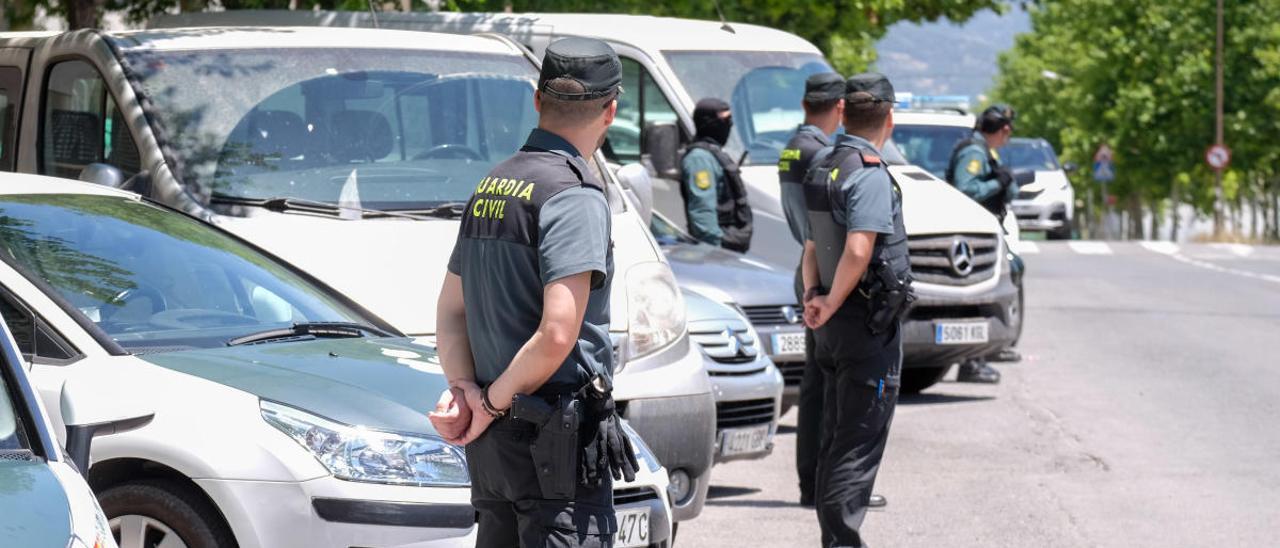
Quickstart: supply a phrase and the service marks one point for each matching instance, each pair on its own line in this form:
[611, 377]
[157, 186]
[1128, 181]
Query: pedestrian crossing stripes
[1089, 248]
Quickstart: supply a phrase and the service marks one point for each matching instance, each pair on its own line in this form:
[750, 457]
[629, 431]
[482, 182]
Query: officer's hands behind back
[817, 311]
[452, 416]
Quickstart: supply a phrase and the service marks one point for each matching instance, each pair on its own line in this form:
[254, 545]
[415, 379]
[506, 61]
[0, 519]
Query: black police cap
[588, 61]
[873, 83]
[823, 86]
[995, 117]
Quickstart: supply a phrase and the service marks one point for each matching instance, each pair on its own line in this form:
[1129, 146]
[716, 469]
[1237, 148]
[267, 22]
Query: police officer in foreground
[715, 199]
[523, 323]
[823, 104]
[858, 282]
[975, 170]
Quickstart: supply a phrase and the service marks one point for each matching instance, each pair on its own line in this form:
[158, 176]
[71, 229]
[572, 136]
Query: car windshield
[1030, 154]
[666, 233]
[929, 146]
[152, 279]
[12, 436]
[764, 89]
[383, 129]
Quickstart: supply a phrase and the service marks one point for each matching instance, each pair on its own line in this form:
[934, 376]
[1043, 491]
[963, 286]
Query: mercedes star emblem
[961, 257]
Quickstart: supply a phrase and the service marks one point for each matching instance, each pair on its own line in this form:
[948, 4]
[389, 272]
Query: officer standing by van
[975, 170]
[523, 323]
[823, 105]
[856, 267]
[715, 198]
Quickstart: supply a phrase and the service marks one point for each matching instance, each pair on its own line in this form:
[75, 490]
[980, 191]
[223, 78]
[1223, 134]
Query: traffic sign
[1218, 156]
[1103, 171]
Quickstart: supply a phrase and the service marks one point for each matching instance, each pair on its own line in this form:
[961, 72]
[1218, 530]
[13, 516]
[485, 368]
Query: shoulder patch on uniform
[974, 167]
[702, 179]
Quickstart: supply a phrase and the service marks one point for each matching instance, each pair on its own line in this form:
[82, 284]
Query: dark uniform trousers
[509, 506]
[857, 417]
[809, 420]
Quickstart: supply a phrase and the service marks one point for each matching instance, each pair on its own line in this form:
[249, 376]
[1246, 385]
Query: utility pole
[1217, 129]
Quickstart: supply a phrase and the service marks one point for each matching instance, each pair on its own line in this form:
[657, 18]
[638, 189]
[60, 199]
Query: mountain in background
[945, 58]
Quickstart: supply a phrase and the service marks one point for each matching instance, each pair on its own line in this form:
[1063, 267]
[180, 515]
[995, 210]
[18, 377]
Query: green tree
[1139, 76]
[846, 30]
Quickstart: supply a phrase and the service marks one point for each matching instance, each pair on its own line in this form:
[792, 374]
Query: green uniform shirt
[702, 179]
[973, 172]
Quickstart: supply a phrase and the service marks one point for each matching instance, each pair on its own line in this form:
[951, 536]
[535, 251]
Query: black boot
[978, 371]
[1007, 355]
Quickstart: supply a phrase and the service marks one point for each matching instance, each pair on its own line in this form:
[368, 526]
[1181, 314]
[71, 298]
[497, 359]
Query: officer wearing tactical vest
[524, 323]
[858, 283]
[823, 105]
[715, 199]
[975, 170]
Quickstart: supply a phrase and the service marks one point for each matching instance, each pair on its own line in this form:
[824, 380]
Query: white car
[284, 414]
[1047, 205]
[748, 387]
[351, 153]
[43, 499]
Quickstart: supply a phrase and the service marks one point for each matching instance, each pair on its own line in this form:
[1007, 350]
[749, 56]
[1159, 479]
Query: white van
[957, 249]
[348, 153]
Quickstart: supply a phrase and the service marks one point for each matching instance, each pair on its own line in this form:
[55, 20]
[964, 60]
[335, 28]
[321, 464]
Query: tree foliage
[845, 29]
[1139, 76]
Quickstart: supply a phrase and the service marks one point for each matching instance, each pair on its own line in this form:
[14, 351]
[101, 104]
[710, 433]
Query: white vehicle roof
[642, 31]
[932, 118]
[21, 183]
[304, 37]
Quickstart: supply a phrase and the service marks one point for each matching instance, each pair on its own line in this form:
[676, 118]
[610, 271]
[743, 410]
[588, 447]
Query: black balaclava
[708, 123]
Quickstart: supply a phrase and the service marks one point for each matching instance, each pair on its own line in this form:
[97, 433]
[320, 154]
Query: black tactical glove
[607, 449]
[1005, 177]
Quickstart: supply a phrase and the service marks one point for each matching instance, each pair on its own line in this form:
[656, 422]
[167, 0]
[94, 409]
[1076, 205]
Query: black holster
[555, 447]
[888, 297]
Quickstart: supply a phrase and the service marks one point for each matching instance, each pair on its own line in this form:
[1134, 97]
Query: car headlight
[656, 309]
[642, 449]
[360, 454]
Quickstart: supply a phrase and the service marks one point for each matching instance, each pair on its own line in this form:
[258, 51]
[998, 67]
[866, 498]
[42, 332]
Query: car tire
[1061, 233]
[916, 379]
[164, 508]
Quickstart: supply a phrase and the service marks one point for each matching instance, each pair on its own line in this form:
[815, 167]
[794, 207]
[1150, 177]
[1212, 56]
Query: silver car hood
[727, 277]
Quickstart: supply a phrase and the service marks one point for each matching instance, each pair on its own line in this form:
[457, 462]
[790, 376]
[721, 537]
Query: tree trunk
[83, 14]
[1155, 220]
[1135, 217]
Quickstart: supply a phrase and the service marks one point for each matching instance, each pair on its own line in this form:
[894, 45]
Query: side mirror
[660, 144]
[98, 405]
[636, 180]
[102, 174]
[1070, 167]
[1024, 177]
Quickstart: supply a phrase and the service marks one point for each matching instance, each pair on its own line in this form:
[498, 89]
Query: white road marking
[1166, 248]
[1025, 247]
[1240, 250]
[1225, 270]
[1089, 248]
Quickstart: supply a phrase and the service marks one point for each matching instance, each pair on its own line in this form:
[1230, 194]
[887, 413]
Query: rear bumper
[1037, 215]
[996, 306]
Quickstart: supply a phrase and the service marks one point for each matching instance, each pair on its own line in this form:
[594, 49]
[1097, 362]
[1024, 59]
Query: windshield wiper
[285, 203]
[318, 330]
[446, 210]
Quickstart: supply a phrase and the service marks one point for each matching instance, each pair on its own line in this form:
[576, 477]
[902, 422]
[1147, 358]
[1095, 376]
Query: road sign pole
[1217, 172]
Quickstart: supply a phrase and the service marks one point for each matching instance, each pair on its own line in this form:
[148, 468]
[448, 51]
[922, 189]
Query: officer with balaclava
[715, 198]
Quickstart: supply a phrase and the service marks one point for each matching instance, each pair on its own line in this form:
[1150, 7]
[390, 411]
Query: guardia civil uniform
[793, 165]
[714, 194]
[859, 349]
[538, 217]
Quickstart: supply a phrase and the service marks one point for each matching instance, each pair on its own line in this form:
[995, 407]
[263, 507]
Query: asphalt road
[1145, 413]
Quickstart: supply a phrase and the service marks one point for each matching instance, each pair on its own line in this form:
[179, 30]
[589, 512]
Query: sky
[943, 58]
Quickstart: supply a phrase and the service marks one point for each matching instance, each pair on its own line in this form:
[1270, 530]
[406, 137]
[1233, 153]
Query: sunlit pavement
[1144, 414]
